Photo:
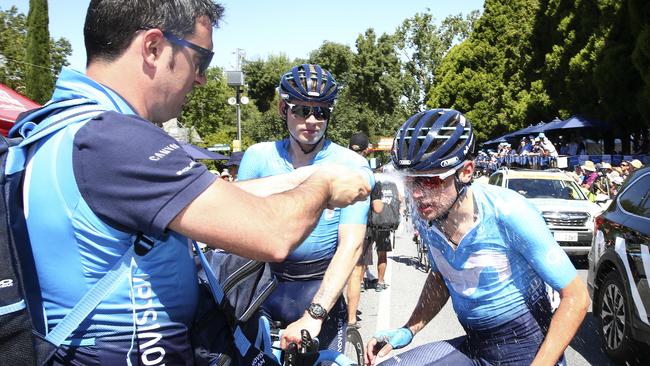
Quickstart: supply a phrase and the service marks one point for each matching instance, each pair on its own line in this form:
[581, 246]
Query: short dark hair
[111, 25]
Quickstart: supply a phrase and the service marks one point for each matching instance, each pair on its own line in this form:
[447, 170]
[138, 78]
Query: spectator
[601, 184]
[549, 148]
[537, 147]
[590, 174]
[576, 146]
[635, 165]
[225, 175]
[359, 143]
[524, 146]
[233, 164]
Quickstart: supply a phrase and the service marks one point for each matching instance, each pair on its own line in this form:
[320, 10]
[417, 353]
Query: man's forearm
[277, 183]
[565, 323]
[433, 297]
[339, 270]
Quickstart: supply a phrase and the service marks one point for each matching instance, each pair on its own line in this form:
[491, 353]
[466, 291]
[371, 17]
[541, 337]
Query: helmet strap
[461, 190]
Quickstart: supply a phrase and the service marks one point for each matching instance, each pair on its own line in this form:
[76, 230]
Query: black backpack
[22, 324]
[389, 217]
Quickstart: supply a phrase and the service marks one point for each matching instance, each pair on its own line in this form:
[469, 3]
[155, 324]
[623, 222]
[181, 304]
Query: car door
[634, 202]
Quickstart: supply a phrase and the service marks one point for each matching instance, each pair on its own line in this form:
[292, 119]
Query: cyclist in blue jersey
[490, 251]
[93, 188]
[311, 280]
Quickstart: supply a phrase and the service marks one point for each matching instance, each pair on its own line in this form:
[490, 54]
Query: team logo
[448, 162]
[8, 282]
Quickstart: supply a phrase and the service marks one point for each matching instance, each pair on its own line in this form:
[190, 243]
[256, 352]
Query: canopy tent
[532, 129]
[577, 122]
[199, 153]
[11, 105]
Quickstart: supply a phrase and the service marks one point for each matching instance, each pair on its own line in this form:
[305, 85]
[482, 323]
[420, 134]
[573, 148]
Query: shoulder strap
[90, 300]
[33, 129]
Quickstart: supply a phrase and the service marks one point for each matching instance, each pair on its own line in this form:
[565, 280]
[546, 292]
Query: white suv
[565, 207]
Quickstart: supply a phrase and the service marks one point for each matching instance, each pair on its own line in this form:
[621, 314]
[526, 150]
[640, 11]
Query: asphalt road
[392, 307]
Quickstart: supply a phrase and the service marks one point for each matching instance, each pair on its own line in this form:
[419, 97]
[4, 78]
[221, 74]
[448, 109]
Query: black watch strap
[317, 311]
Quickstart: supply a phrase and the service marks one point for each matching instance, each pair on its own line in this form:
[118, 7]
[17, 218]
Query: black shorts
[382, 240]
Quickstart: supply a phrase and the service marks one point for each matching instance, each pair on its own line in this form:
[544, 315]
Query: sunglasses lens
[304, 111]
[424, 182]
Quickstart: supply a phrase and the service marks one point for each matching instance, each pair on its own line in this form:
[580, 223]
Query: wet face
[431, 196]
[306, 125]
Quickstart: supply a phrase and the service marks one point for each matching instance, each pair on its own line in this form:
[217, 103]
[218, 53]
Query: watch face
[317, 311]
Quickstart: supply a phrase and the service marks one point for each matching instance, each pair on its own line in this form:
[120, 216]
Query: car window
[634, 195]
[495, 179]
[546, 188]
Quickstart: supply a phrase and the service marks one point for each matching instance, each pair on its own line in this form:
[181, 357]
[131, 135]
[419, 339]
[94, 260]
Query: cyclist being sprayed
[311, 280]
[490, 251]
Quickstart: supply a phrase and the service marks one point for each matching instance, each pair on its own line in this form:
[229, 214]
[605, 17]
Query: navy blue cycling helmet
[308, 83]
[434, 139]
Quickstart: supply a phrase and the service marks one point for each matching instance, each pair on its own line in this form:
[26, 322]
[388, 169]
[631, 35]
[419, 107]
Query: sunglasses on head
[205, 55]
[305, 111]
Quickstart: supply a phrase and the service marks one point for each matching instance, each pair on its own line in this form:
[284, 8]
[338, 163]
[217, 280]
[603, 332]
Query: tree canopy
[14, 62]
[515, 64]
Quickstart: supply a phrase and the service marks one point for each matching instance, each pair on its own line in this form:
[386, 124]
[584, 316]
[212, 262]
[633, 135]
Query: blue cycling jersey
[498, 270]
[88, 190]
[272, 158]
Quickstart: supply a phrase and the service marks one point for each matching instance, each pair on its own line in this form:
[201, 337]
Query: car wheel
[614, 318]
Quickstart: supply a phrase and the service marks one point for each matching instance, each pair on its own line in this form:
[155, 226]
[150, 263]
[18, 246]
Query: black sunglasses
[305, 111]
[204, 53]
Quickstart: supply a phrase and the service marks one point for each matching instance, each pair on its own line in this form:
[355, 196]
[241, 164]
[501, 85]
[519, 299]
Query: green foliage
[39, 84]
[423, 45]
[207, 107]
[13, 43]
[376, 78]
[335, 57]
[262, 78]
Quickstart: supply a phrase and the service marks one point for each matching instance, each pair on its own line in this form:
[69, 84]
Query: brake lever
[290, 355]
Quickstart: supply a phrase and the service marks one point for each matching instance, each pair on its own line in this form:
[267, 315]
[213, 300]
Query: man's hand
[385, 341]
[346, 185]
[292, 333]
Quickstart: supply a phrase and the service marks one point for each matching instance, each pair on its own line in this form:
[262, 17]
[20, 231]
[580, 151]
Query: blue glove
[397, 338]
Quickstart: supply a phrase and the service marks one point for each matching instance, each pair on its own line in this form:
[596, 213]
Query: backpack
[229, 328]
[23, 337]
[389, 217]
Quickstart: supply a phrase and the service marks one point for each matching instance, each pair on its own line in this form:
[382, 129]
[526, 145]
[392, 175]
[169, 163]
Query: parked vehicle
[619, 265]
[565, 207]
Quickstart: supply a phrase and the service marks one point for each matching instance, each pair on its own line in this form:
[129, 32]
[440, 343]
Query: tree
[423, 45]
[262, 77]
[485, 75]
[334, 57]
[13, 34]
[207, 108]
[39, 84]
[376, 78]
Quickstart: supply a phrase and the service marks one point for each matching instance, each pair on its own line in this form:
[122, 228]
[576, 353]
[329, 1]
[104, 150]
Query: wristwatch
[316, 311]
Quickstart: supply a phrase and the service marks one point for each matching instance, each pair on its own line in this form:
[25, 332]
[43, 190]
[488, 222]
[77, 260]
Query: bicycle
[308, 352]
[354, 345]
[423, 258]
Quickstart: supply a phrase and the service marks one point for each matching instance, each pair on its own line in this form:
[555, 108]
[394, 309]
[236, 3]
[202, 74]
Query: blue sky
[264, 27]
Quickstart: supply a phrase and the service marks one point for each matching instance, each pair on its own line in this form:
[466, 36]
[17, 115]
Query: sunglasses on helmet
[205, 55]
[305, 111]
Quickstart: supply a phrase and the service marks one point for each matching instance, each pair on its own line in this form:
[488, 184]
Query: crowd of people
[301, 203]
[602, 180]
